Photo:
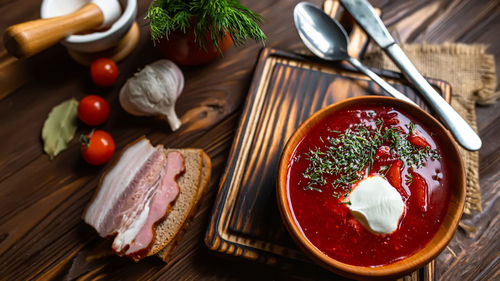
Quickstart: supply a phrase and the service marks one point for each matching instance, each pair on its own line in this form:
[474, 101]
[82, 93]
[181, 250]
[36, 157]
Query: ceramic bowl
[408, 264]
[96, 41]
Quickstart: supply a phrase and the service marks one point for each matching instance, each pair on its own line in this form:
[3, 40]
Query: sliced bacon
[167, 193]
[134, 195]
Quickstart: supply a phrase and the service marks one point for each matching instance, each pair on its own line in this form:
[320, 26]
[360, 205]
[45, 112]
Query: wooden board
[286, 89]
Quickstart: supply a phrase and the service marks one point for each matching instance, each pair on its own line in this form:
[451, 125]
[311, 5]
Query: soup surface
[348, 146]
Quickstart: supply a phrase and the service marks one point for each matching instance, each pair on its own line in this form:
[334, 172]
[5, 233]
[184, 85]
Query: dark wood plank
[285, 90]
[41, 201]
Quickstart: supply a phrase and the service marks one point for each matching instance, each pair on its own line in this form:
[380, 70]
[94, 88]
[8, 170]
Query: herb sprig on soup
[368, 185]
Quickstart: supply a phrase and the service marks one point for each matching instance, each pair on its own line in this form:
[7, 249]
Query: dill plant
[210, 21]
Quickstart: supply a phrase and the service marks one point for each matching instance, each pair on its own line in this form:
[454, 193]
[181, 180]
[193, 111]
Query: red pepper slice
[419, 190]
[394, 174]
[418, 140]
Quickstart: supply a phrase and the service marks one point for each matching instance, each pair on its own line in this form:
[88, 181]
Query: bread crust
[167, 252]
[162, 242]
[137, 256]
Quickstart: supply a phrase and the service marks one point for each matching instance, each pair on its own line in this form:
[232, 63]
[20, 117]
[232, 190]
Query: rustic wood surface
[41, 201]
[245, 220]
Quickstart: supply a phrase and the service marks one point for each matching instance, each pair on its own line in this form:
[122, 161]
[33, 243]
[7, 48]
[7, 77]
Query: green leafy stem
[210, 20]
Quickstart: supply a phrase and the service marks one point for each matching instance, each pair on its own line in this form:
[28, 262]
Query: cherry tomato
[104, 72]
[93, 110]
[97, 147]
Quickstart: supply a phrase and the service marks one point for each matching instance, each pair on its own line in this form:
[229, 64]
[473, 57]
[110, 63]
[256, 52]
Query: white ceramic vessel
[96, 41]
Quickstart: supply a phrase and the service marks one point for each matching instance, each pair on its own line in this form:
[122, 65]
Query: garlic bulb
[153, 91]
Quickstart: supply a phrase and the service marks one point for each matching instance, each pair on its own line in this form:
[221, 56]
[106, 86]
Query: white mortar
[96, 41]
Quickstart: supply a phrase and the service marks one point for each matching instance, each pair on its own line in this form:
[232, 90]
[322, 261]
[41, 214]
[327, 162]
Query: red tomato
[391, 118]
[97, 147]
[394, 174]
[383, 151]
[184, 49]
[93, 110]
[418, 188]
[104, 72]
[417, 140]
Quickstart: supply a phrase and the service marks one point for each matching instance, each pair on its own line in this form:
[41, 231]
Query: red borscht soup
[353, 144]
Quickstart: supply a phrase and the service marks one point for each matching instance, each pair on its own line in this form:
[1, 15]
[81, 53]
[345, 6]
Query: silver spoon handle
[377, 79]
[462, 131]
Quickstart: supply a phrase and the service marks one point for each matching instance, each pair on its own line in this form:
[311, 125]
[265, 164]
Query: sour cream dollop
[377, 205]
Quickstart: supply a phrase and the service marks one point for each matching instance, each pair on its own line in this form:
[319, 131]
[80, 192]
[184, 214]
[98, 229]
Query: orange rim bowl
[408, 264]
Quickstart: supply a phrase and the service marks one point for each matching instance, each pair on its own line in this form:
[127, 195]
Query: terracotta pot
[183, 49]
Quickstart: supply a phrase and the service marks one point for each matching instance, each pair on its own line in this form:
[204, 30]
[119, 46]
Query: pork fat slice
[134, 195]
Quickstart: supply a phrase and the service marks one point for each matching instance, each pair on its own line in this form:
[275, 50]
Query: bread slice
[189, 183]
[166, 253]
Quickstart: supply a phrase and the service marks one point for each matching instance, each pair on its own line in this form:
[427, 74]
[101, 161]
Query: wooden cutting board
[286, 89]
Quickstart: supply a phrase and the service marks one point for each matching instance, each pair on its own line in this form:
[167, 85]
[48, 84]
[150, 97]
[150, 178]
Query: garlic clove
[153, 91]
[173, 120]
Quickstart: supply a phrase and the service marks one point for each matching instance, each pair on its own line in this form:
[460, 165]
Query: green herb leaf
[296, 159]
[409, 179]
[350, 155]
[436, 176]
[209, 19]
[60, 127]
[384, 169]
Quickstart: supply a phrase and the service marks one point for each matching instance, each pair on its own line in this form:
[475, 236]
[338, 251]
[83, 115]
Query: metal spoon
[327, 39]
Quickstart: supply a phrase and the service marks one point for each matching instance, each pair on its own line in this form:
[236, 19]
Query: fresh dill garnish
[296, 158]
[384, 169]
[350, 155]
[336, 194]
[436, 175]
[210, 21]
[309, 187]
[334, 131]
[409, 179]
[411, 128]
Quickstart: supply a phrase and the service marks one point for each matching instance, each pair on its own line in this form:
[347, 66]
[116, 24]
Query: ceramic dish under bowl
[412, 262]
[96, 41]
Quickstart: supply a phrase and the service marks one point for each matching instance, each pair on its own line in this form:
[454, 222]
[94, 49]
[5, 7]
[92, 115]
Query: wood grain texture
[294, 90]
[41, 233]
[286, 89]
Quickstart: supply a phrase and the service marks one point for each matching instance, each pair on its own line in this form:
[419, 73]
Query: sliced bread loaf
[189, 183]
[166, 253]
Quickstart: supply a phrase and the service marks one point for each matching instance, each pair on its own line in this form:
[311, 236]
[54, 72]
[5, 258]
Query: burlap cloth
[471, 74]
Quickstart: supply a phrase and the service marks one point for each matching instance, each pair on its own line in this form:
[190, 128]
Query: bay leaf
[60, 127]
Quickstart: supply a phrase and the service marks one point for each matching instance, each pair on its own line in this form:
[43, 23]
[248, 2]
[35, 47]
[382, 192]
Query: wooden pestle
[28, 38]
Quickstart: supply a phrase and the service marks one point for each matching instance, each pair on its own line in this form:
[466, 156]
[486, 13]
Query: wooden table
[41, 201]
